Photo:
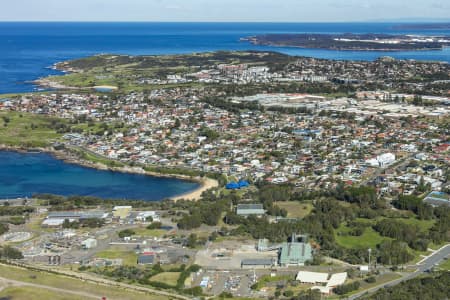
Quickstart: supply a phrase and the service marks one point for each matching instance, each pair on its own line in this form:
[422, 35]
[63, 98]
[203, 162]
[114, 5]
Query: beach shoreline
[204, 182]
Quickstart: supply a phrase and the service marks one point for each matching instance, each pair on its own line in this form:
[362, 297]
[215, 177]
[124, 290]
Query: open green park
[28, 130]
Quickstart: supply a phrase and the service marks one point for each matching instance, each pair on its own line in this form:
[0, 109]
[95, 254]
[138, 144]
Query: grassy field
[142, 231]
[424, 225]
[167, 278]
[267, 279]
[296, 209]
[72, 284]
[31, 293]
[385, 278]
[129, 257]
[27, 130]
[370, 238]
[445, 265]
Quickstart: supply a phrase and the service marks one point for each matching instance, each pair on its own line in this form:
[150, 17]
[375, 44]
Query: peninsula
[350, 41]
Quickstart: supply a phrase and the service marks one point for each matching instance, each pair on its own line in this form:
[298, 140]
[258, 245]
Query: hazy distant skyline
[223, 11]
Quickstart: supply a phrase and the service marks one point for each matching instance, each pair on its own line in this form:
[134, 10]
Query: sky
[224, 10]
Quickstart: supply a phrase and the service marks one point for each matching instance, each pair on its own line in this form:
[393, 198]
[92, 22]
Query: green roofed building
[296, 252]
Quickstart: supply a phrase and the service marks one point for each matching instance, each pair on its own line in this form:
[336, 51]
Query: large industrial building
[296, 252]
[57, 218]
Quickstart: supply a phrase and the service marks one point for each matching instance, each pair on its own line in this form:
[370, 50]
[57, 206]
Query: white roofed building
[382, 160]
[312, 277]
[322, 278]
[337, 279]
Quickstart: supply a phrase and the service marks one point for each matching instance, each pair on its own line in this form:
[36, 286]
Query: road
[423, 266]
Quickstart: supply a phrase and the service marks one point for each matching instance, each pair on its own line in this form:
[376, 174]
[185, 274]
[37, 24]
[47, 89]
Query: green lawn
[27, 130]
[167, 278]
[267, 279]
[129, 257]
[369, 239]
[150, 232]
[424, 225]
[445, 265]
[31, 293]
[296, 209]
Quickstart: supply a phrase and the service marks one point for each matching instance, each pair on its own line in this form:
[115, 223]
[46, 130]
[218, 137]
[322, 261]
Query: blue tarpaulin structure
[243, 183]
[234, 186]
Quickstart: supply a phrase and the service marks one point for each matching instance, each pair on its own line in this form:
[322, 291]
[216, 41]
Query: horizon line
[437, 21]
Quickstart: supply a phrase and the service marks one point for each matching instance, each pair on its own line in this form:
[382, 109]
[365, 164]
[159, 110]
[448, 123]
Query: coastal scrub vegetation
[8, 252]
[16, 210]
[431, 287]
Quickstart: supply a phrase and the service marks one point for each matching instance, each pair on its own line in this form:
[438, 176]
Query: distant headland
[354, 42]
[422, 26]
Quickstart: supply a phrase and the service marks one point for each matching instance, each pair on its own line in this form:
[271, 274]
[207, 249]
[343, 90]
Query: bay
[24, 174]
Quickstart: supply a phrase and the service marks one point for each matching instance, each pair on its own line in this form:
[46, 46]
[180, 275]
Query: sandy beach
[206, 184]
[109, 87]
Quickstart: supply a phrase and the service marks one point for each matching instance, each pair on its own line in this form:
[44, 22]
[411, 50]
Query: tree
[371, 279]
[288, 293]
[126, 233]
[92, 222]
[3, 228]
[310, 295]
[177, 123]
[209, 133]
[423, 288]
[8, 252]
[346, 288]
[67, 224]
[155, 225]
[192, 241]
[189, 222]
[394, 253]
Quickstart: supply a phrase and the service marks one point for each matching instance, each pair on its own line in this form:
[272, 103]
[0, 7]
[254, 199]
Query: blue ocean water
[28, 49]
[23, 174]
